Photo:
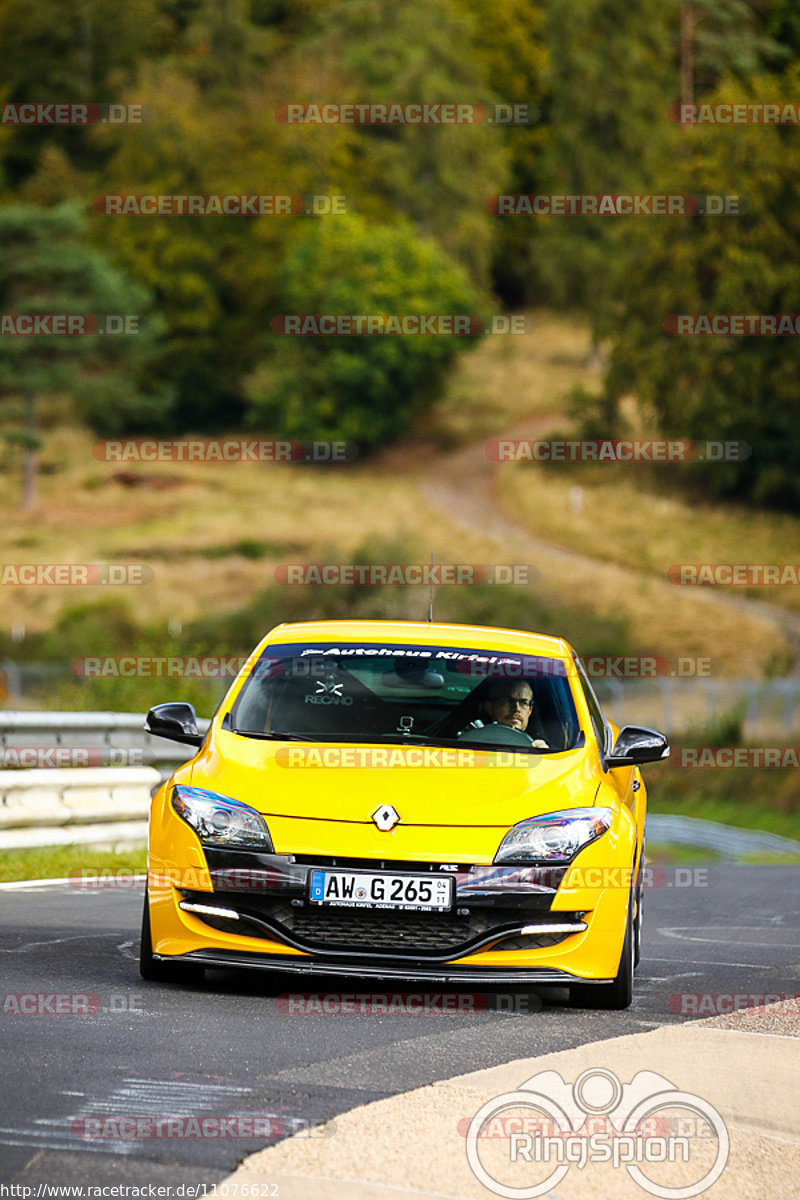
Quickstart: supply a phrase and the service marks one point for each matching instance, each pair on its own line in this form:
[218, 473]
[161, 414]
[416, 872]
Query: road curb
[413, 1144]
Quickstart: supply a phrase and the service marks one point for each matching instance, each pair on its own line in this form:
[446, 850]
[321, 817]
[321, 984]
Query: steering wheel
[496, 734]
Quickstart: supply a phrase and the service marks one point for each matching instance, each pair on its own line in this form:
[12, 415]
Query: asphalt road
[230, 1048]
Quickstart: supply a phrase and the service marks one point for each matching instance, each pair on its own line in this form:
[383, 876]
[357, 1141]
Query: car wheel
[618, 994]
[152, 969]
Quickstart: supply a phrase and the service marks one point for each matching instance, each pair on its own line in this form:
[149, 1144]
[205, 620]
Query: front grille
[531, 941]
[383, 930]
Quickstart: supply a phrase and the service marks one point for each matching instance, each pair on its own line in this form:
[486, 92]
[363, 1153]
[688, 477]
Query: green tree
[611, 75]
[510, 46]
[46, 269]
[437, 176]
[70, 51]
[719, 38]
[715, 387]
[364, 389]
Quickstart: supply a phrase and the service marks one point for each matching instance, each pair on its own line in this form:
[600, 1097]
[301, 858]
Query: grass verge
[63, 862]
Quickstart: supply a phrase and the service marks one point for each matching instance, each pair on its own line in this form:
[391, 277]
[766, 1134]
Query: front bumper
[507, 924]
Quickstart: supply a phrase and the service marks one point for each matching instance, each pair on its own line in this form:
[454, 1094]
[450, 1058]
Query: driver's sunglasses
[513, 700]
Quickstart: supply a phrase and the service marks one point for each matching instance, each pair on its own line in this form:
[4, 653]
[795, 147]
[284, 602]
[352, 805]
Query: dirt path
[463, 487]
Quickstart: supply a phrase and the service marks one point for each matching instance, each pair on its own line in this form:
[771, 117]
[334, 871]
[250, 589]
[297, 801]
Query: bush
[365, 389]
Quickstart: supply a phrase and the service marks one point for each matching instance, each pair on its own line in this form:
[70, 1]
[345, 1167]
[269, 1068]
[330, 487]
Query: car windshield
[408, 693]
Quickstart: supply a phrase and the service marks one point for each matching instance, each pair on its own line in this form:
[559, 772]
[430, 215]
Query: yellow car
[397, 800]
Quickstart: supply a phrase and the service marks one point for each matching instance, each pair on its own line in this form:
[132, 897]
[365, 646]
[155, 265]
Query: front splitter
[454, 975]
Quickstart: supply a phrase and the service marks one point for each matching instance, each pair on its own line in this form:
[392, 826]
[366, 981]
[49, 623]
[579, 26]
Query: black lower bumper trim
[290, 965]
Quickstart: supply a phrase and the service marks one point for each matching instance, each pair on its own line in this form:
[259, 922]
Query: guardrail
[107, 738]
[769, 708]
[90, 777]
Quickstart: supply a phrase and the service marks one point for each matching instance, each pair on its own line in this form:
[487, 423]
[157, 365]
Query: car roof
[483, 637]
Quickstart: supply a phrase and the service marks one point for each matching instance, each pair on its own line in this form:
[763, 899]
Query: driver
[508, 703]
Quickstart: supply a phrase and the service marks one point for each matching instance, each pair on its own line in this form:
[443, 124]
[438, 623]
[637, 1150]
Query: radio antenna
[430, 602]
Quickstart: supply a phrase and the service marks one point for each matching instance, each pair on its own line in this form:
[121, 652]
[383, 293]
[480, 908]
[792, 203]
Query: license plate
[357, 889]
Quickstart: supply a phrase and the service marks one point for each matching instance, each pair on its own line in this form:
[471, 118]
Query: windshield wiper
[457, 743]
[396, 739]
[275, 737]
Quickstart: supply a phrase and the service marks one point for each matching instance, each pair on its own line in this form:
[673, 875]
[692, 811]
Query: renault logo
[385, 817]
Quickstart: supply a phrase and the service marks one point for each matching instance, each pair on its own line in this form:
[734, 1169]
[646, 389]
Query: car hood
[297, 781]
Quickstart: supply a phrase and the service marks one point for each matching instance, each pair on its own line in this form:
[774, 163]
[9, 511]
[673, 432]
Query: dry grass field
[214, 533]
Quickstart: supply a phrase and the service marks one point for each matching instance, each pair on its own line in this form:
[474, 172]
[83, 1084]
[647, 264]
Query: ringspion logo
[548, 1125]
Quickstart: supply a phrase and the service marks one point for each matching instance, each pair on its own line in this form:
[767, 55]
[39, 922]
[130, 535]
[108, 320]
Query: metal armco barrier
[90, 777]
[119, 738]
[79, 804]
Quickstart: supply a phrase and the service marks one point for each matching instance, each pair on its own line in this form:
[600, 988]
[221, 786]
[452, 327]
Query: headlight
[220, 821]
[554, 838]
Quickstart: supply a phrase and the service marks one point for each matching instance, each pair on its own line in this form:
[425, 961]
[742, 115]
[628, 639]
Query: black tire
[153, 969]
[638, 920]
[618, 994]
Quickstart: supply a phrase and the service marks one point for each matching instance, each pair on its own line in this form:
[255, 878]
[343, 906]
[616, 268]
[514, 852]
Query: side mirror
[176, 721]
[638, 744]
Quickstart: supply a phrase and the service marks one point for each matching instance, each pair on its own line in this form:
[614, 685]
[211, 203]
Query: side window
[594, 708]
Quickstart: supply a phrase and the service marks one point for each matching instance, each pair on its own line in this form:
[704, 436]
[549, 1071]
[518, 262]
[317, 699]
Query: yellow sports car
[442, 803]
